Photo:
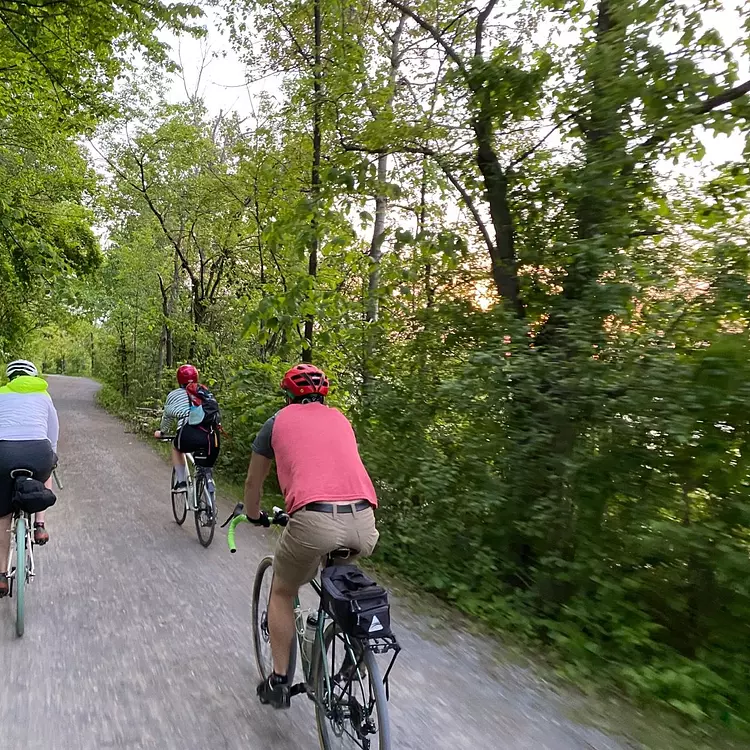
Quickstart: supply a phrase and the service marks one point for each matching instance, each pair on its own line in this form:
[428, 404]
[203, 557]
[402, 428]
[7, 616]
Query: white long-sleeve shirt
[28, 415]
[176, 409]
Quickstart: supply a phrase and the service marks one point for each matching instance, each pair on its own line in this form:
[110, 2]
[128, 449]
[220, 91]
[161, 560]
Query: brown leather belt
[342, 507]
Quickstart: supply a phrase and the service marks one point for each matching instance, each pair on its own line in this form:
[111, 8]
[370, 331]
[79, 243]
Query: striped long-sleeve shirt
[176, 408]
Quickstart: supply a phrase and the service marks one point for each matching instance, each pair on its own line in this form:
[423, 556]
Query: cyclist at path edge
[329, 497]
[28, 440]
[189, 438]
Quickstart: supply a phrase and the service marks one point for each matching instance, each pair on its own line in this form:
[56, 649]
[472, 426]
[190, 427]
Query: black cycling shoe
[40, 534]
[4, 585]
[180, 487]
[271, 692]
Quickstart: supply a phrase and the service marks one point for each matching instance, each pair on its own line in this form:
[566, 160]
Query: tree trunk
[602, 212]
[503, 253]
[376, 244]
[601, 208]
[168, 301]
[312, 266]
[174, 293]
[372, 307]
[124, 379]
[199, 315]
[135, 332]
[421, 227]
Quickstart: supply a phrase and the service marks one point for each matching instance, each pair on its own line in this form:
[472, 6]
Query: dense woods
[485, 223]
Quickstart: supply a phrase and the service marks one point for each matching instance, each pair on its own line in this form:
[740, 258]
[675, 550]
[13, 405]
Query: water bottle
[308, 640]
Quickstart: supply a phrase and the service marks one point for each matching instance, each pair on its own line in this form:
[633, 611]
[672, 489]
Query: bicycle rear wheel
[351, 709]
[179, 503]
[205, 516]
[19, 584]
[261, 637]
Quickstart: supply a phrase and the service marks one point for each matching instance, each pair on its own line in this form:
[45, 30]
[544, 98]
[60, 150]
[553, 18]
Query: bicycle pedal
[297, 689]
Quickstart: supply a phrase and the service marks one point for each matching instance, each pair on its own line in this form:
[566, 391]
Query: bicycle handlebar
[279, 518]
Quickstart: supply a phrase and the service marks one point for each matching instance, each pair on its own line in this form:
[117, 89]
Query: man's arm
[260, 465]
[256, 476]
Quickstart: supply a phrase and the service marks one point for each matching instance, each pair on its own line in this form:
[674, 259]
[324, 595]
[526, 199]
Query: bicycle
[200, 485]
[20, 568]
[350, 695]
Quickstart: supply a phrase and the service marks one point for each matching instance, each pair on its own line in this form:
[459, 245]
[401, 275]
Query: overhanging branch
[714, 102]
[434, 33]
[440, 161]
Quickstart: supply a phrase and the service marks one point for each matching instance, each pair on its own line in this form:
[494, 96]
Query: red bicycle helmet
[304, 380]
[187, 374]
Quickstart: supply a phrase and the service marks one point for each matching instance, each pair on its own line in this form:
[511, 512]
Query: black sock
[278, 679]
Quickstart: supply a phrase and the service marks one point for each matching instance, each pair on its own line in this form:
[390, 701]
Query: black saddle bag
[31, 496]
[356, 603]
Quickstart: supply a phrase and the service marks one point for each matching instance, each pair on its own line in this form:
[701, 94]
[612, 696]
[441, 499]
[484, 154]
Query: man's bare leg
[281, 624]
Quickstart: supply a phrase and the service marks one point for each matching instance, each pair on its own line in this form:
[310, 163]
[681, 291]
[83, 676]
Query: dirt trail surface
[137, 637]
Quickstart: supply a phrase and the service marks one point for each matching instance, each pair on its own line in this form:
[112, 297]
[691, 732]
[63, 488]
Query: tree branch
[300, 50]
[435, 33]
[469, 203]
[176, 245]
[423, 150]
[529, 151]
[725, 97]
[479, 31]
[426, 151]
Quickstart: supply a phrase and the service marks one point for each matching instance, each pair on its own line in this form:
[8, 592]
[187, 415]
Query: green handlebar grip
[230, 531]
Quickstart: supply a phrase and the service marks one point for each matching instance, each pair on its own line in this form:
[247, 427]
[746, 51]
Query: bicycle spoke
[205, 515]
[351, 708]
[260, 621]
[179, 503]
[261, 636]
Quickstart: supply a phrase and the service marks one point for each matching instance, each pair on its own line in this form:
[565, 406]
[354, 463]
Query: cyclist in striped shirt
[177, 409]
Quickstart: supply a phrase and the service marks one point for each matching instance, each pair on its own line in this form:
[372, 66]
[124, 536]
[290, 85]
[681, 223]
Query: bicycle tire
[179, 504]
[260, 624]
[19, 583]
[327, 731]
[205, 533]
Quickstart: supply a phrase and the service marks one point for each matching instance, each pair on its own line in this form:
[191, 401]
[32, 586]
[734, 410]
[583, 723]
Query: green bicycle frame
[322, 617]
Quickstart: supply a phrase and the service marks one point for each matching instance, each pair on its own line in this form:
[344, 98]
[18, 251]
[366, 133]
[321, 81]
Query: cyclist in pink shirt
[328, 494]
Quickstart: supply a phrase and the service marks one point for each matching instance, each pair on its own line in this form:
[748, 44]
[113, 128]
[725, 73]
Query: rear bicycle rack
[383, 645]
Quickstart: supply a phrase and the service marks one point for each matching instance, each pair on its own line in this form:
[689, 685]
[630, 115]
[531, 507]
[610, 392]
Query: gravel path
[137, 637]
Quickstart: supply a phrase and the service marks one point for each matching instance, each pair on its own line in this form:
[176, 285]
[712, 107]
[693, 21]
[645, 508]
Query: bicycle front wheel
[19, 584]
[261, 635]
[205, 516]
[179, 503]
[351, 709]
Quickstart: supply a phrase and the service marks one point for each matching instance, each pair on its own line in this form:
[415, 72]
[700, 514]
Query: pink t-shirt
[317, 458]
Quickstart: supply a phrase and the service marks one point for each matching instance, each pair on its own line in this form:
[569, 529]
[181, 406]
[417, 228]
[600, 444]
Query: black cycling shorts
[202, 443]
[35, 455]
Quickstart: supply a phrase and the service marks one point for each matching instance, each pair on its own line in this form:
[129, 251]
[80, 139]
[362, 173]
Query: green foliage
[62, 61]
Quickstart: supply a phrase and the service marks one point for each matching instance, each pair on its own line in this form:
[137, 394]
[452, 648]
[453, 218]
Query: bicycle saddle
[342, 553]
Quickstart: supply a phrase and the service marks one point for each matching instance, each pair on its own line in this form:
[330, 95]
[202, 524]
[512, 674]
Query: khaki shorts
[310, 536]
